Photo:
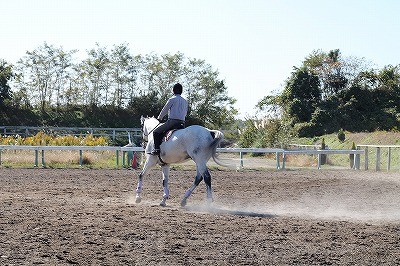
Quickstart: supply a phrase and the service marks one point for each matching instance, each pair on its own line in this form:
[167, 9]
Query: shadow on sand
[219, 210]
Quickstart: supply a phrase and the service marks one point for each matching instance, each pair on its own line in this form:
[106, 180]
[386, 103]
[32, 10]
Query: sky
[253, 44]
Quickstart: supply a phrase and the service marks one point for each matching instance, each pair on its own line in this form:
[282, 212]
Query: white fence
[120, 151]
[378, 149]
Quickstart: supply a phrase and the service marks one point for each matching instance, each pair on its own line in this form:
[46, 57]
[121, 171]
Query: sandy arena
[306, 217]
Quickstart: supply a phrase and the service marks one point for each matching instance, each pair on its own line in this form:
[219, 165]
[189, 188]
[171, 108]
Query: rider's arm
[165, 110]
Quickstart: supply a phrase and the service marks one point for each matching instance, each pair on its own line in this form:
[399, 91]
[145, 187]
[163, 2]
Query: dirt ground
[270, 217]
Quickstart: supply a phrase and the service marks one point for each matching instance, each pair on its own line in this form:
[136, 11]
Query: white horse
[194, 142]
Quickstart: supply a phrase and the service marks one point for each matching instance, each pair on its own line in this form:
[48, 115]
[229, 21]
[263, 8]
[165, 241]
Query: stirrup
[155, 152]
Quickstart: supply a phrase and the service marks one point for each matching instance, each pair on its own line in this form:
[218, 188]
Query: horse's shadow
[219, 210]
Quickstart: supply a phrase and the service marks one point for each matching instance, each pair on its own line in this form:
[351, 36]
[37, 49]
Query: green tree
[209, 103]
[5, 76]
[48, 78]
[42, 76]
[124, 75]
[301, 95]
[95, 77]
[333, 70]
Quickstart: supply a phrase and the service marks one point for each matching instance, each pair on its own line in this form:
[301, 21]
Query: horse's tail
[218, 137]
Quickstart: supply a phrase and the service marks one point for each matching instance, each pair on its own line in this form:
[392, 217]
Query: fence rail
[75, 131]
[279, 153]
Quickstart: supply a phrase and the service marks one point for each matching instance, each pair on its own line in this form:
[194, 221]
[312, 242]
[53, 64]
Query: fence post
[43, 163]
[357, 161]
[241, 159]
[366, 158]
[283, 161]
[389, 158]
[277, 154]
[378, 159]
[0, 155]
[117, 155]
[36, 158]
[123, 158]
[319, 161]
[80, 158]
[354, 161]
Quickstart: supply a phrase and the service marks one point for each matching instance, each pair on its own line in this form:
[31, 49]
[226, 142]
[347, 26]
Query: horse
[194, 142]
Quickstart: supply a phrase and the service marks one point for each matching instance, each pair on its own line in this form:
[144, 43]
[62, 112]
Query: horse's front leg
[139, 188]
[165, 173]
[150, 162]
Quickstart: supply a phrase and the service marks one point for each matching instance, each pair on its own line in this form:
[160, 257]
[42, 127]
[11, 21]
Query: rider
[176, 108]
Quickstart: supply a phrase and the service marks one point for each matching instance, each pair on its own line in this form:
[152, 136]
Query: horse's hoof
[138, 199]
[183, 203]
[210, 202]
[162, 203]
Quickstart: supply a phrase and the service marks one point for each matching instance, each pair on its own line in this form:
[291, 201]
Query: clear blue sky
[254, 44]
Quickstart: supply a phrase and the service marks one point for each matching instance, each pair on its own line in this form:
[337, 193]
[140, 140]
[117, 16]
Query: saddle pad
[169, 134]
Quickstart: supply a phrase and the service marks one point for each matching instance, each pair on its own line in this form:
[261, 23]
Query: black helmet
[177, 88]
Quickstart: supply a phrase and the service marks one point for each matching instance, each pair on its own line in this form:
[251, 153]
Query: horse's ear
[142, 120]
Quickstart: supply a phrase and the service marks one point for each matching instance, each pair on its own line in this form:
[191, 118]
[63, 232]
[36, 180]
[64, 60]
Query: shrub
[86, 160]
[265, 133]
[42, 139]
[341, 135]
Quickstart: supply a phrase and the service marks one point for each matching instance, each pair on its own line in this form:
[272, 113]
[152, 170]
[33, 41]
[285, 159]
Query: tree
[209, 103]
[95, 76]
[123, 73]
[301, 95]
[48, 77]
[207, 95]
[334, 72]
[5, 76]
[42, 75]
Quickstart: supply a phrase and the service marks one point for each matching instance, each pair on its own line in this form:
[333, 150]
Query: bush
[341, 135]
[265, 134]
[43, 139]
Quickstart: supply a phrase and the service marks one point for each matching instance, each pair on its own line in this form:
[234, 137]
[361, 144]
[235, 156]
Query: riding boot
[157, 142]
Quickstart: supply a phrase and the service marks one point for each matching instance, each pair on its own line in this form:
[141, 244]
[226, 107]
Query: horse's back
[197, 133]
[191, 138]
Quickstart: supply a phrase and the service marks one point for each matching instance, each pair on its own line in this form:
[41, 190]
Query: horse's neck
[152, 123]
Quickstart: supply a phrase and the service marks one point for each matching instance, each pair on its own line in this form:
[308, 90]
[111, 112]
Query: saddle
[168, 134]
[165, 138]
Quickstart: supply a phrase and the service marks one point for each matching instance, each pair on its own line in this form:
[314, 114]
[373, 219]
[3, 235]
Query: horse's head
[148, 125]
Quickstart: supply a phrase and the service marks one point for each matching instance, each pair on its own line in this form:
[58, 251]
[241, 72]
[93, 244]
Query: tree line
[329, 92]
[51, 78]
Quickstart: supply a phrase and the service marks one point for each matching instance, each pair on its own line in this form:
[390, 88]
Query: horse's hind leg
[207, 180]
[202, 172]
[165, 172]
[190, 190]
